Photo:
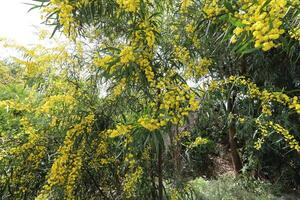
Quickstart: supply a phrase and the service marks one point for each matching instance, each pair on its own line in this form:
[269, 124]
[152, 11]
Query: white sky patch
[17, 23]
[21, 26]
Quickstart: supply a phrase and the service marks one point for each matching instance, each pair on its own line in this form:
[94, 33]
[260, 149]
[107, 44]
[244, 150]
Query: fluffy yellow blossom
[175, 195]
[103, 63]
[131, 180]
[267, 98]
[14, 105]
[119, 130]
[263, 21]
[181, 135]
[127, 55]
[144, 64]
[53, 101]
[198, 141]
[189, 28]
[129, 5]
[295, 32]
[149, 123]
[118, 89]
[73, 175]
[266, 110]
[65, 15]
[65, 169]
[182, 54]
[266, 128]
[212, 8]
[185, 4]
[295, 104]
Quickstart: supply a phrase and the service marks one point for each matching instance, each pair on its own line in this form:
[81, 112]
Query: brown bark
[160, 173]
[235, 157]
[177, 161]
[176, 150]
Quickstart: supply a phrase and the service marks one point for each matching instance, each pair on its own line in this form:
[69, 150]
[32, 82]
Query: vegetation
[154, 99]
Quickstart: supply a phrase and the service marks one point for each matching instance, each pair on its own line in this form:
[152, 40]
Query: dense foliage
[146, 93]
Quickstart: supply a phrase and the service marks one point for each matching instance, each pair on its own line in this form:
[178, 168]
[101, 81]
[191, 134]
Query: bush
[230, 188]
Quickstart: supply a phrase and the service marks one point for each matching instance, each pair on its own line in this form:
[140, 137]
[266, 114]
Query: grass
[230, 188]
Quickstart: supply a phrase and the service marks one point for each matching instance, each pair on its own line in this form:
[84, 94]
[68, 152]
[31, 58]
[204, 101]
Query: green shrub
[230, 188]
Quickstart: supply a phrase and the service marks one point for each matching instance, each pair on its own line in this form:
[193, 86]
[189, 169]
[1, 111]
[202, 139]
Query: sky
[17, 23]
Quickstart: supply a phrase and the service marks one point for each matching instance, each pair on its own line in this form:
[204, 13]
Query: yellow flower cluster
[173, 102]
[150, 37]
[65, 14]
[176, 101]
[194, 68]
[73, 175]
[295, 32]
[14, 105]
[198, 141]
[198, 69]
[127, 55]
[182, 54]
[102, 149]
[241, 120]
[52, 101]
[149, 33]
[206, 62]
[266, 109]
[65, 17]
[185, 4]
[295, 105]
[103, 63]
[118, 89]
[264, 130]
[32, 148]
[129, 5]
[133, 175]
[181, 135]
[265, 96]
[145, 34]
[150, 124]
[131, 179]
[175, 195]
[119, 130]
[32, 68]
[64, 171]
[212, 8]
[146, 153]
[146, 67]
[263, 20]
[190, 28]
[290, 139]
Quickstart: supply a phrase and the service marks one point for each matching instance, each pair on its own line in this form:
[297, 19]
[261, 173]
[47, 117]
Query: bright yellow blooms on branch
[93, 114]
[261, 20]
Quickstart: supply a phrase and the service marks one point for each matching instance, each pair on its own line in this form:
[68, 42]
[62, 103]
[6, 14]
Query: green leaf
[234, 21]
[247, 51]
[228, 6]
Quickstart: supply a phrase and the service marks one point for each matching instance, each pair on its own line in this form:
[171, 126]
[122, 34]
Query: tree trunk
[160, 173]
[176, 150]
[235, 157]
[177, 161]
[152, 177]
